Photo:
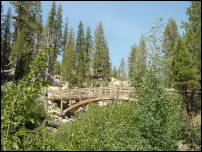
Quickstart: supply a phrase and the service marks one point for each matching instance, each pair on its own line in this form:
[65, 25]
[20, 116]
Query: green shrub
[158, 114]
[108, 128]
[21, 108]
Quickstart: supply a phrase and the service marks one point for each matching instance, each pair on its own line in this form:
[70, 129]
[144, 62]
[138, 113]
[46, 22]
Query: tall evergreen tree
[192, 43]
[114, 71]
[58, 29]
[193, 34]
[80, 42]
[69, 60]
[122, 70]
[184, 73]
[106, 63]
[5, 41]
[65, 35]
[101, 56]
[88, 46]
[57, 68]
[51, 38]
[132, 59]
[170, 37]
[142, 49]
[26, 26]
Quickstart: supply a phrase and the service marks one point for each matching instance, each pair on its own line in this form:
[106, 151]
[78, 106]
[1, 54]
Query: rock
[53, 88]
[182, 146]
[118, 83]
[69, 120]
[65, 86]
[63, 120]
[56, 77]
[104, 103]
[80, 109]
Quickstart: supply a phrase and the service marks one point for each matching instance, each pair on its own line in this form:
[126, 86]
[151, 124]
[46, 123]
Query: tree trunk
[185, 94]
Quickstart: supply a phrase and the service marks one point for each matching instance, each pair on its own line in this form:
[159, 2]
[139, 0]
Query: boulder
[118, 83]
[53, 88]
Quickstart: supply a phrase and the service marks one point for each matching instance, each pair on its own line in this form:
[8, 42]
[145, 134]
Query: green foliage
[57, 68]
[27, 26]
[192, 135]
[122, 70]
[69, 60]
[88, 56]
[80, 56]
[193, 33]
[110, 128]
[132, 60]
[114, 72]
[170, 37]
[5, 39]
[65, 35]
[184, 72]
[101, 56]
[137, 61]
[158, 114]
[21, 106]
[53, 35]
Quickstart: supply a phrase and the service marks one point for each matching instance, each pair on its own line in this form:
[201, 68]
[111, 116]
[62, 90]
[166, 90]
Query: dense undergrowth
[154, 122]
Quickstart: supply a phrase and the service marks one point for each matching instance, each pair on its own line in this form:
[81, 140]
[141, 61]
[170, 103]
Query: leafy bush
[158, 114]
[109, 128]
[21, 107]
[192, 133]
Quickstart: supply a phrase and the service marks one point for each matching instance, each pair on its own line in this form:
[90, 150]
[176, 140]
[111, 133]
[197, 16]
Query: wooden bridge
[72, 99]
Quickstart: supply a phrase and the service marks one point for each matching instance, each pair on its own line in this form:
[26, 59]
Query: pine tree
[114, 71]
[184, 73]
[57, 68]
[26, 25]
[193, 34]
[142, 54]
[101, 56]
[142, 49]
[52, 37]
[69, 60]
[106, 63]
[122, 70]
[88, 56]
[5, 41]
[187, 78]
[132, 59]
[58, 29]
[65, 35]
[170, 37]
[80, 61]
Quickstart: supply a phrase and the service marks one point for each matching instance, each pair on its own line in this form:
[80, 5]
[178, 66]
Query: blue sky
[123, 21]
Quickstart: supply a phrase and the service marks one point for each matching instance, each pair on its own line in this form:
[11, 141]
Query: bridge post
[69, 94]
[79, 94]
[117, 93]
[93, 92]
[110, 92]
[61, 107]
[89, 92]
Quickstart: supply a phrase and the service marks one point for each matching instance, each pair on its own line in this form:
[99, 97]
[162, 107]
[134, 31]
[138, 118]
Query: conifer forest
[61, 91]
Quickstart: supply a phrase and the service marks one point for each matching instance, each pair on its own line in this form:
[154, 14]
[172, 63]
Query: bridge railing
[84, 93]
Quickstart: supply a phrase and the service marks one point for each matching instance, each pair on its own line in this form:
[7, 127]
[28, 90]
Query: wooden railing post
[117, 94]
[110, 92]
[69, 94]
[61, 107]
[89, 93]
[79, 94]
